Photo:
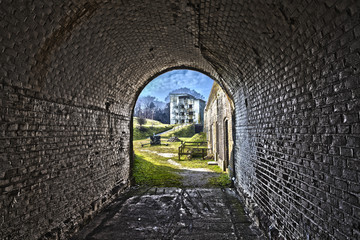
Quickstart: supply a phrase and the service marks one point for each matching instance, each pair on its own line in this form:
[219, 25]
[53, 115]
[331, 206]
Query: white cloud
[165, 83]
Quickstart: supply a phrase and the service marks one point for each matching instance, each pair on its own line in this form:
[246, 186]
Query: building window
[191, 113]
[182, 121]
[190, 120]
[190, 105]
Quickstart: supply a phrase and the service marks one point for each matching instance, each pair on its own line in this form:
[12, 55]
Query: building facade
[218, 127]
[185, 108]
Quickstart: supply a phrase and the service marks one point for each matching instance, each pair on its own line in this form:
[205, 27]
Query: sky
[165, 83]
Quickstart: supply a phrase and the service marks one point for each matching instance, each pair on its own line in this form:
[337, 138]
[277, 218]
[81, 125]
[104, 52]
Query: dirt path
[194, 177]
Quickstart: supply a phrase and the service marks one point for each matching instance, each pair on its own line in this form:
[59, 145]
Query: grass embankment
[184, 131]
[199, 137]
[150, 128]
[149, 122]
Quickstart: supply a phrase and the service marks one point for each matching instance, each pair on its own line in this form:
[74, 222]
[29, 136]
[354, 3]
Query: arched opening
[181, 101]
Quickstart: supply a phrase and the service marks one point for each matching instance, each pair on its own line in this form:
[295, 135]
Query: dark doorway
[226, 143]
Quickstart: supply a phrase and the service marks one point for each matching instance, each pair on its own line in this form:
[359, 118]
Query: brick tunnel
[71, 72]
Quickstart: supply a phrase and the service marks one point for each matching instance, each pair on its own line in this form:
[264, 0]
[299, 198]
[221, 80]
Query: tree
[141, 121]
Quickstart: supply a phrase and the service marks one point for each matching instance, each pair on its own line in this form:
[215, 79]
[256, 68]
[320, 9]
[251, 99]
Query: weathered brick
[351, 118]
[348, 152]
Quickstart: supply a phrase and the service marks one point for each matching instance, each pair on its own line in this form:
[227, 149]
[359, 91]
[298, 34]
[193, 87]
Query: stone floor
[172, 213]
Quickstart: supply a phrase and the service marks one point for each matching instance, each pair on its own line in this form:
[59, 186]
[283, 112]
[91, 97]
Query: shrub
[141, 121]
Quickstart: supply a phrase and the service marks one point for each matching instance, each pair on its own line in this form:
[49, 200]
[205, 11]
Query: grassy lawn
[150, 172]
[150, 128]
[154, 170]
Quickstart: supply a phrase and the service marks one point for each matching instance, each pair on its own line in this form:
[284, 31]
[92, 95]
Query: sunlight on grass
[154, 170]
[186, 131]
[150, 122]
[199, 137]
[153, 173]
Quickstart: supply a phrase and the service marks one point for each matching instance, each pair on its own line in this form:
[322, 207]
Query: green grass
[186, 131]
[149, 122]
[222, 181]
[145, 131]
[153, 170]
[148, 171]
[199, 137]
[200, 163]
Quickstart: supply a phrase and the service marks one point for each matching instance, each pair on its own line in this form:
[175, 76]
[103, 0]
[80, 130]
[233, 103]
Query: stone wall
[219, 127]
[71, 72]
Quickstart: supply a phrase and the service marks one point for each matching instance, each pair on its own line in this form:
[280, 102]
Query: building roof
[187, 95]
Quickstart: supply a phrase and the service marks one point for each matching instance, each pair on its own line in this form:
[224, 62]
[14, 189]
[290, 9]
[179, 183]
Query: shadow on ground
[172, 213]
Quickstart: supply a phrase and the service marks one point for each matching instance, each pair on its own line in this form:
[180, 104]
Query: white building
[185, 108]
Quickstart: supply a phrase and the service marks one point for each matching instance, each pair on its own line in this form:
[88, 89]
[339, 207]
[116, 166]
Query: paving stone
[180, 214]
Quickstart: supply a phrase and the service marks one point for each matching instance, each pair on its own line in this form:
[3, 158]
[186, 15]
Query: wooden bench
[192, 148]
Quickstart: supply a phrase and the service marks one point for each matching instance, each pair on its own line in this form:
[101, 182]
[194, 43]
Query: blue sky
[165, 83]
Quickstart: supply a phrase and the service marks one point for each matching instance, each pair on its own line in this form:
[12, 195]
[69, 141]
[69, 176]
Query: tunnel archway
[201, 87]
[71, 72]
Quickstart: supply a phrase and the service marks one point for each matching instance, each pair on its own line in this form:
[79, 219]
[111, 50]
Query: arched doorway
[183, 109]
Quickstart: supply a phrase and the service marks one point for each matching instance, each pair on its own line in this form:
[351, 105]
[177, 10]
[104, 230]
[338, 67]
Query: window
[190, 105]
[190, 120]
[182, 121]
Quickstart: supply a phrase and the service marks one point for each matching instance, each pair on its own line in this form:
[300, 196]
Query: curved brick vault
[71, 72]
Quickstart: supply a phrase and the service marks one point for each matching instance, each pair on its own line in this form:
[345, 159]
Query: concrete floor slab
[172, 213]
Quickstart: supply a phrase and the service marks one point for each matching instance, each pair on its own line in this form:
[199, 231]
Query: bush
[141, 121]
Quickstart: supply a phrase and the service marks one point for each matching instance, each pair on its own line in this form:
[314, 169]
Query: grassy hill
[149, 122]
[199, 137]
[182, 131]
[150, 128]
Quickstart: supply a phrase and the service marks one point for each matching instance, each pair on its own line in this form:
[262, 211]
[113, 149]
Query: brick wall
[297, 121]
[60, 164]
[71, 72]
